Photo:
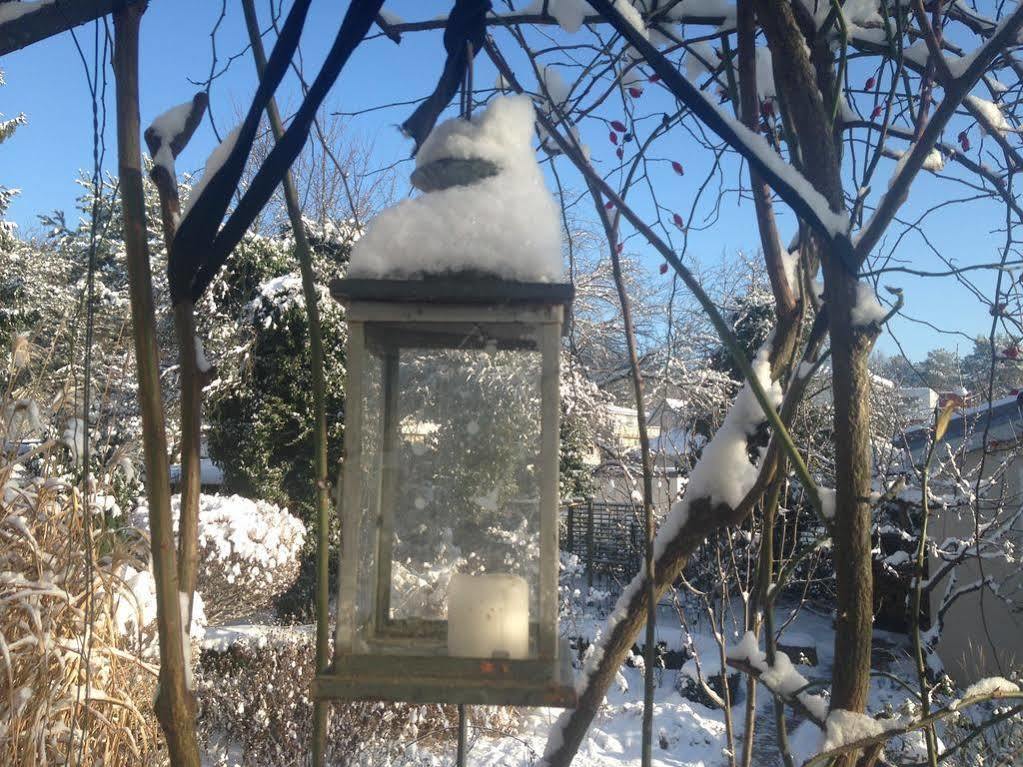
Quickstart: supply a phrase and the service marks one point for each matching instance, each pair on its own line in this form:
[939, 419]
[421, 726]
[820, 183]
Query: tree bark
[174, 702]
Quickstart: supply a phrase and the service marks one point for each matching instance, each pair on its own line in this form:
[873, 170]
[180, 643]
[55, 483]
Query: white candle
[488, 616]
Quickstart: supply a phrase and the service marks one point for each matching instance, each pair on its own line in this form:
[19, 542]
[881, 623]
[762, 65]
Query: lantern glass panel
[450, 513]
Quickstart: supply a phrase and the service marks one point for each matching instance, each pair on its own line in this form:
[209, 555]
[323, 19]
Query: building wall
[982, 636]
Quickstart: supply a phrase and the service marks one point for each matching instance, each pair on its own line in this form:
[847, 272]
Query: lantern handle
[466, 100]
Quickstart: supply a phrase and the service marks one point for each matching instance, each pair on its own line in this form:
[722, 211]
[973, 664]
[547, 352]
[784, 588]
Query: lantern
[449, 494]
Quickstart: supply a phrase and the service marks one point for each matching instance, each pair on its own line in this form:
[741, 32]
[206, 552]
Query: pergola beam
[52, 18]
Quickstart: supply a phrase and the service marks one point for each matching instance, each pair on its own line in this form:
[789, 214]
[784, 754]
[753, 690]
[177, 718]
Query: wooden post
[305, 261]
[571, 528]
[188, 349]
[589, 543]
[175, 706]
[463, 732]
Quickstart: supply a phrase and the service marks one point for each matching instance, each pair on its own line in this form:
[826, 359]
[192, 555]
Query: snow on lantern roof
[505, 226]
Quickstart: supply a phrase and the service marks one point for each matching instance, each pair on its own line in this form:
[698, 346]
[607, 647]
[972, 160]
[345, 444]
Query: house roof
[1002, 419]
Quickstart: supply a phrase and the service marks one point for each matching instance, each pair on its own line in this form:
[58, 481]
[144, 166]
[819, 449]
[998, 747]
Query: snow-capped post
[450, 492]
[175, 706]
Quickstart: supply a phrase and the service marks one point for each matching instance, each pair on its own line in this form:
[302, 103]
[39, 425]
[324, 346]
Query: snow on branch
[860, 735]
[780, 678]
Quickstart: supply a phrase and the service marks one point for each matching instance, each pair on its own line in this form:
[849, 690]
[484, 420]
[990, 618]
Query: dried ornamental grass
[74, 689]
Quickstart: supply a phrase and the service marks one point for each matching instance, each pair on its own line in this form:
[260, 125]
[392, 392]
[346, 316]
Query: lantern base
[440, 679]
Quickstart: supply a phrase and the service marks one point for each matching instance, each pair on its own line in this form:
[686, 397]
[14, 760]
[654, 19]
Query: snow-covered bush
[249, 553]
[253, 691]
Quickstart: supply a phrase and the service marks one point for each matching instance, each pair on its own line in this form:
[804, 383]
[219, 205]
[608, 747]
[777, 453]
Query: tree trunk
[174, 703]
[853, 576]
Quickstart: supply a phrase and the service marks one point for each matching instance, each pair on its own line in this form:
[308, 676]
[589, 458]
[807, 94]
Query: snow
[989, 686]
[867, 310]
[507, 225]
[213, 163]
[861, 12]
[12, 11]
[631, 15]
[21, 419]
[724, 473]
[704, 9]
[255, 636]
[390, 17]
[568, 13]
[765, 74]
[835, 223]
[165, 127]
[699, 57]
[257, 531]
[991, 113]
[200, 357]
[555, 84]
[844, 727]
[135, 607]
[934, 162]
[186, 642]
[74, 436]
[790, 265]
[782, 677]
[827, 496]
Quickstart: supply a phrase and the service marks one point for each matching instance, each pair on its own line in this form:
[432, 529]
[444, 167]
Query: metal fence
[607, 538]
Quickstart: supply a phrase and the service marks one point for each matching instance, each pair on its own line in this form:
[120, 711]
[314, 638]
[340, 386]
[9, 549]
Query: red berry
[664, 268]
[677, 167]
[876, 113]
[609, 205]
[767, 108]
[635, 92]
[965, 144]
[869, 85]
[654, 78]
[678, 220]
[620, 152]
[612, 137]
[618, 125]
[961, 136]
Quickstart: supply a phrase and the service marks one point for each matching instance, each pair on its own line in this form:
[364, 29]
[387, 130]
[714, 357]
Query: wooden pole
[190, 375]
[175, 706]
[305, 261]
[463, 732]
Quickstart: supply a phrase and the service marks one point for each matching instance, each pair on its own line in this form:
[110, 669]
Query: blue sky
[48, 83]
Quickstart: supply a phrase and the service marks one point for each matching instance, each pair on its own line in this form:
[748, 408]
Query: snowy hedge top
[506, 225]
[245, 529]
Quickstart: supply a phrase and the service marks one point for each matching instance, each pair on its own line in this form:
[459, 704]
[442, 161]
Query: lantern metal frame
[401, 671]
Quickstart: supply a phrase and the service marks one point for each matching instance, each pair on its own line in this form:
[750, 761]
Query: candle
[488, 616]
